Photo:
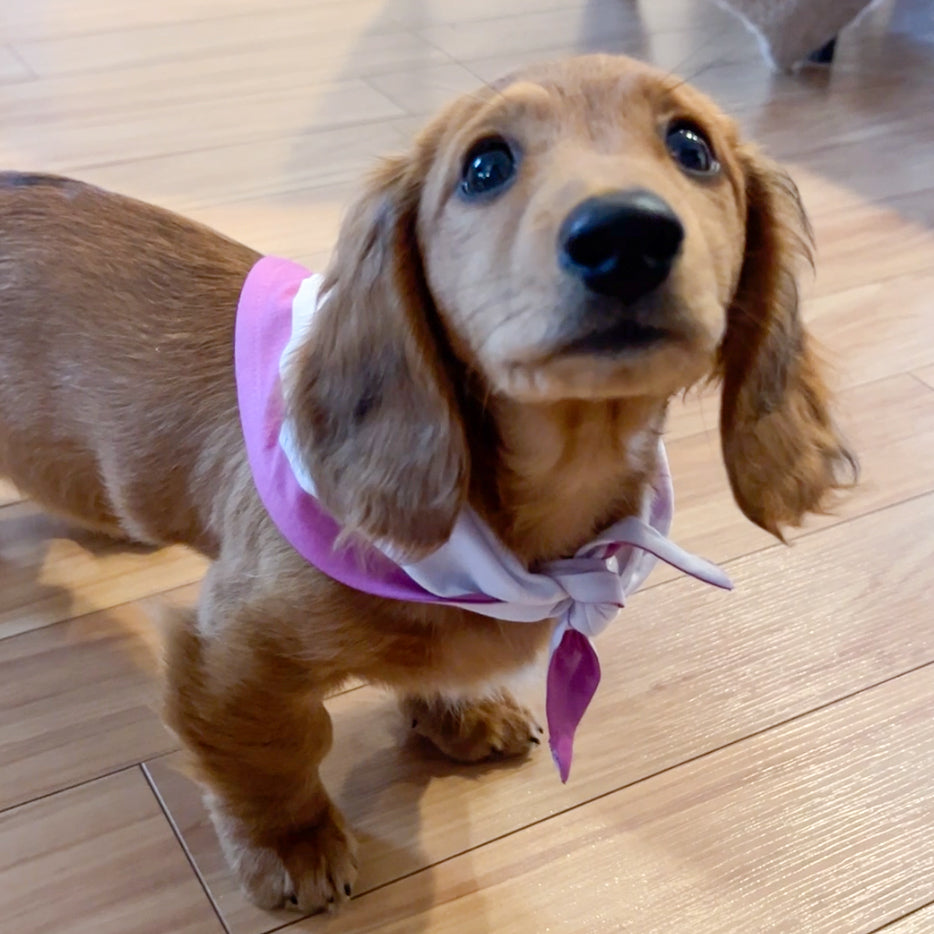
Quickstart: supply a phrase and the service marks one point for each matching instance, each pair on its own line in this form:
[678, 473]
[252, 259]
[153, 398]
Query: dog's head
[590, 230]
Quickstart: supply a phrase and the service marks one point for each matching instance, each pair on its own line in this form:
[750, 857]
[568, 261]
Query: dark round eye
[489, 166]
[691, 150]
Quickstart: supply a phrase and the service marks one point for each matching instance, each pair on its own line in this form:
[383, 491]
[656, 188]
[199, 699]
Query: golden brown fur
[435, 378]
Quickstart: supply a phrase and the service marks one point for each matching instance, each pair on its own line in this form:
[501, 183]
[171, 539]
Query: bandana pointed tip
[573, 676]
[561, 753]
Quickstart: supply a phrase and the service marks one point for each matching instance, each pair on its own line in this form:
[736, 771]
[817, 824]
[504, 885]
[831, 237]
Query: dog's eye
[691, 149]
[490, 165]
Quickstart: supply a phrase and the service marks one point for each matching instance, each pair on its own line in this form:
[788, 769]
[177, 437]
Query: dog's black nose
[622, 244]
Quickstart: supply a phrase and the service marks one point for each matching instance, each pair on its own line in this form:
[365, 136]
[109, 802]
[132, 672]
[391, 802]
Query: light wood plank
[686, 670]
[99, 859]
[742, 85]
[873, 243]
[880, 48]
[826, 187]
[96, 133]
[695, 413]
[423, 91]
[817, 826]
[920, 922]
[12, 67]
[241, 75]
[58, 18]
[215, 37]
[876, 330]
[50, 573]
[926, 375]
[292, 224]
[80, 699]
[187, 182]
[892, 115]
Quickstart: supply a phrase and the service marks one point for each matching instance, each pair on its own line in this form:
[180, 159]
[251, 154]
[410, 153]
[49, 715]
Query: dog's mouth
[611, 361]
[616, 337]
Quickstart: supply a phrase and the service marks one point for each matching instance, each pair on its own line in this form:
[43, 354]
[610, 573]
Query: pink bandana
[472, 570]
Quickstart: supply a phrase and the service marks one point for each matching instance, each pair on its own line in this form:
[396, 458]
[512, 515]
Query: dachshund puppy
[510, 308]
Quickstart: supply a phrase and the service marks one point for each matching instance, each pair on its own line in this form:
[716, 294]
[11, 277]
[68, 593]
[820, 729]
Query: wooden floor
[759, 762]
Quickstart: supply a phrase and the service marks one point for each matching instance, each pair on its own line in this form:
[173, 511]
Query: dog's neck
[559, 473]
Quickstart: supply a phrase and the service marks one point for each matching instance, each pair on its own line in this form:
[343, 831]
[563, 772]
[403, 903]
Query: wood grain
[873, 243]
[926, 375]
[12, 67]
[686, 671]
[98, 859]
[858, 346]
[298, 166]
[750, 838]
[80, 699]
[96, 133]
[201, 39]
[919, 922]
[56, 18]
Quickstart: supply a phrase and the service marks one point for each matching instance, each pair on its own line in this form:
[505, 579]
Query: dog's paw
[309, 869]
[470, 731]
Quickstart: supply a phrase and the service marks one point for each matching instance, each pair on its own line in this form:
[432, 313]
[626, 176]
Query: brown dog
[510, 308]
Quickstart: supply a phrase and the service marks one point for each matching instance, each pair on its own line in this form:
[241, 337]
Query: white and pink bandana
[472, 570]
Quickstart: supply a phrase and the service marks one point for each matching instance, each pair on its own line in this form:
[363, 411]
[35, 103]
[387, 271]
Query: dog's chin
[659, 368]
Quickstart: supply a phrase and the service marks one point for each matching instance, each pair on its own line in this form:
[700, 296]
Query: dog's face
[590, 230]
[582, 231]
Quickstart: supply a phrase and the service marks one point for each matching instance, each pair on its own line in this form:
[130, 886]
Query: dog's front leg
[249, 713]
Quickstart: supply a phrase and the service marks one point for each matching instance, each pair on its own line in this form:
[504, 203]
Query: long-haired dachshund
[485, 365]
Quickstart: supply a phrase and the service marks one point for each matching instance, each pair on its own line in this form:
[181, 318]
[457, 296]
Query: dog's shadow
[391, 796]
[47, 564]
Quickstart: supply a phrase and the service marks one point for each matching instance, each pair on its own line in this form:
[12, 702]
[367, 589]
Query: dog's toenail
[347, 889]
[535, 739]
[293, 900]
[330, 899]
[414, 724]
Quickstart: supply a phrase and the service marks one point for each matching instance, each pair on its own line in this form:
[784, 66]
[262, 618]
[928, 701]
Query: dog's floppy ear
[374, 411]
[782, 451]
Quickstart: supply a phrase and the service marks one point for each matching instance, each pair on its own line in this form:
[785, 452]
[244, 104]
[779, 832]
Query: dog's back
[116, 336]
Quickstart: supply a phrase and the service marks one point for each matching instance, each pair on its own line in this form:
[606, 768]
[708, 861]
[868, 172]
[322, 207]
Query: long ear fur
[374, 411]
[782, 451]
